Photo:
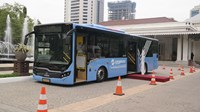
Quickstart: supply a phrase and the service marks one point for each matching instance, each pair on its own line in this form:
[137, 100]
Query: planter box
[21, 68]
[20, 56]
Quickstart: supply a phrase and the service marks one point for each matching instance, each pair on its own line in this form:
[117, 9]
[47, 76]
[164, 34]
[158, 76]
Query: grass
[12, 75]
[8, 75]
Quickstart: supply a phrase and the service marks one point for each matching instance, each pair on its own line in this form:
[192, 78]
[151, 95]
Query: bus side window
[89, 53]
[96, 51]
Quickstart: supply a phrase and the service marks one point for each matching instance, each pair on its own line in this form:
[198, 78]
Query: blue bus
[69, 53]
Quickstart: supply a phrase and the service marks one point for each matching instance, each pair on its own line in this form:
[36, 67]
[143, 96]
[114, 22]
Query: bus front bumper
[61, 81]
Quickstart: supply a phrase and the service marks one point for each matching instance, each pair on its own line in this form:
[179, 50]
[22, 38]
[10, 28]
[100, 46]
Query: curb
[15, 79]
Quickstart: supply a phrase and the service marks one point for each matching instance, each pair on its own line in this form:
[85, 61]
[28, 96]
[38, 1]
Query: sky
[51, 11]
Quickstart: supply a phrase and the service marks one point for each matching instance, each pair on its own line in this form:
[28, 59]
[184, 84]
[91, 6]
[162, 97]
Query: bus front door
[131, 55]
[80, 60]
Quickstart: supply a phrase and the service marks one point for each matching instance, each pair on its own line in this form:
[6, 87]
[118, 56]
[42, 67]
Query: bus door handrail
[70, 31]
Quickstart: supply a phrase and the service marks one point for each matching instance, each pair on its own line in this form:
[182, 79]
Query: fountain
[6, 46]
[25, 29]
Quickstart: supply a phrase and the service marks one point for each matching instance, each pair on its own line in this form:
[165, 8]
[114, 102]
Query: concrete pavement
[93, 97]
[100, 104]
[7, 108]
[180, 95]
[14, 79]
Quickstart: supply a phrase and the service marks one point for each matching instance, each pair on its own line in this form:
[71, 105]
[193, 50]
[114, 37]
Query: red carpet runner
[148, 77]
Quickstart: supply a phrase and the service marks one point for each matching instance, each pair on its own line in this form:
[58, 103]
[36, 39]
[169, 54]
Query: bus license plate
[46, 80]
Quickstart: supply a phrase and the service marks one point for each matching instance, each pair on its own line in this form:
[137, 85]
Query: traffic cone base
[153, 83]
[153, 80]
[182, 73]
[42, 108]
[171, 77]
[118, 90]
[179, 67]
[119, 94]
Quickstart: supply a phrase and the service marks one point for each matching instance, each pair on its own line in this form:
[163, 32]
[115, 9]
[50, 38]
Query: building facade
[177, 40]
[121, 10]
[84, 11]
[195, 11]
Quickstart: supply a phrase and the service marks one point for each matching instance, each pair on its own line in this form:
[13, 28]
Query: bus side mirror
[26, 37]
[25, 40]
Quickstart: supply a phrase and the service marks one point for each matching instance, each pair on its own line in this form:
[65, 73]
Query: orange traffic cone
[153, 80]
[182, 71]
[171, 74]
[191, 69]
[179, 67]
[163, 67]
[42, 105]
[153, 72]
[194, 70]
[119, 88]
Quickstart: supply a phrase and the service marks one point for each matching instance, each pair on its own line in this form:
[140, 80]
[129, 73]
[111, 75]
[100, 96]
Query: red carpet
[148, 77]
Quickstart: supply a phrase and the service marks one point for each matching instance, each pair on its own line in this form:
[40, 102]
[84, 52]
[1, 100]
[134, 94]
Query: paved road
[25, 95]
[181, 94]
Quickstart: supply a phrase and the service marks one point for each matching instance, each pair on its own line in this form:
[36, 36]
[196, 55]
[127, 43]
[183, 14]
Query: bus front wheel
[101, 74]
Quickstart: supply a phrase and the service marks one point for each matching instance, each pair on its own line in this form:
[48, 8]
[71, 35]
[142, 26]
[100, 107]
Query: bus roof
[145, 37]
[99, 27]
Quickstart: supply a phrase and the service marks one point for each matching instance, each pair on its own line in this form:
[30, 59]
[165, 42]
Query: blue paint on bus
[114, 66]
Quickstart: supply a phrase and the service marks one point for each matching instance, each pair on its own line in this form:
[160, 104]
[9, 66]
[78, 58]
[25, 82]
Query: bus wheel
[101, 74]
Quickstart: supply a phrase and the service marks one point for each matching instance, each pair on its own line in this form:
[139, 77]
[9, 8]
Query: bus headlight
[65, 74]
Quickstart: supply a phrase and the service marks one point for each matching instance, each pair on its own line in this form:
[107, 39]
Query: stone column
[185, 48]
[189, 48]
[179, 47]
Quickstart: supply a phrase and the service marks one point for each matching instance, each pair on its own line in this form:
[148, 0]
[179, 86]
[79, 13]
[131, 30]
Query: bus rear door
[131, 55]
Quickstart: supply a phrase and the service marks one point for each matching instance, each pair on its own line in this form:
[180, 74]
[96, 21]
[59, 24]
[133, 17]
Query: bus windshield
[54, 49]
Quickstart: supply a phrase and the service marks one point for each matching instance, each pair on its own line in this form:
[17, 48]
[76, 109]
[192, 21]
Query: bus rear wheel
[101, 74]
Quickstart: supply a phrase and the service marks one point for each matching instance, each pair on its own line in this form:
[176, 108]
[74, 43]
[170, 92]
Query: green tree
[17, 13]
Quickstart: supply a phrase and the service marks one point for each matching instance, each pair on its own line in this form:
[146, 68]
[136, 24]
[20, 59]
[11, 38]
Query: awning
[167, 33]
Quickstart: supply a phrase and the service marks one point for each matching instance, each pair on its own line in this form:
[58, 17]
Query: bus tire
[101, 74]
